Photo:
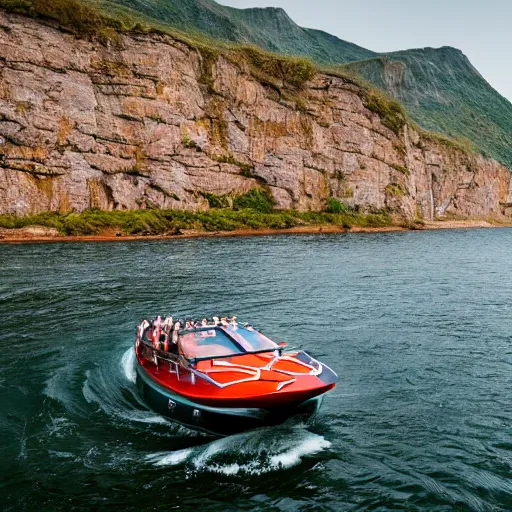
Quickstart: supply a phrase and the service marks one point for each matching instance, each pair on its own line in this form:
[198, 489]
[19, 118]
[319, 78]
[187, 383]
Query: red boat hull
[259, 394]
[263, 393]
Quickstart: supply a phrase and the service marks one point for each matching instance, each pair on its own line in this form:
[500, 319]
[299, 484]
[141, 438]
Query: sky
[480, 28]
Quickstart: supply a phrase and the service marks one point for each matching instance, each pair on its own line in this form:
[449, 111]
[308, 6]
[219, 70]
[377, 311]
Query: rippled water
[418, 326]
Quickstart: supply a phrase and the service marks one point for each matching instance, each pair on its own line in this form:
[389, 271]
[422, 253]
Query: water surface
[417, 325]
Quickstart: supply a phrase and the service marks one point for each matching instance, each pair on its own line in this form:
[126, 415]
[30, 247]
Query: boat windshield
[223, 342]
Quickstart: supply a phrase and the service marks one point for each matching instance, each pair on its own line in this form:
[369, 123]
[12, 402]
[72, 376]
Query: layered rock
[148, 123]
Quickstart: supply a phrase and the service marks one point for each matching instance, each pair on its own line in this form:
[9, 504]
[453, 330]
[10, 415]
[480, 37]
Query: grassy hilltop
[269, 28]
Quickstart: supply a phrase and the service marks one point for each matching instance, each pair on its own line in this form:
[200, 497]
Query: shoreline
[23, 236]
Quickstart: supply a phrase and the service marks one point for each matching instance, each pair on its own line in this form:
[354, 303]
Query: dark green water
[418, 326]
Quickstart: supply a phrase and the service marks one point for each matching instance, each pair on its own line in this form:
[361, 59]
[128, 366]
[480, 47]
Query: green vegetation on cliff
[269, 28]
[443, 92]
[100, 20]
[253, 210]
[81, 17]
[173, 222]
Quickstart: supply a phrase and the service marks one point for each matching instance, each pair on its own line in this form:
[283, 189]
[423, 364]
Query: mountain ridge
[243, 26]
[452, 98]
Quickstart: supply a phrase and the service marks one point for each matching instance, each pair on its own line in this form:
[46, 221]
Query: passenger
[189, 325]
[173, 348]
[204, 322]
[155, 337]
[175, 332]
[216, 320]
[167, 324]
[164, 341]
[156, 331]
[224, 321]
[148, 333]
[143, 328]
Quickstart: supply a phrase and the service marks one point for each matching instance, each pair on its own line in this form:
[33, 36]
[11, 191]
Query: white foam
[308, 446]
[170, 459]
[251, 468]
[57, 388]
[23, 444]
[232, 469]
[51, 389]
[113, 403]
[61, 455]
[212, 449]
[128, 365]
[260, 453]
[143, 417]
[59, 427]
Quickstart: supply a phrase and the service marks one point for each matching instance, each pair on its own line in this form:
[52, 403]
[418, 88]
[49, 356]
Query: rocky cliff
[439, 87]
[137, 125]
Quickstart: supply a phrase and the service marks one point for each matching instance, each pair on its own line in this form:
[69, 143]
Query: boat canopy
[211, 342]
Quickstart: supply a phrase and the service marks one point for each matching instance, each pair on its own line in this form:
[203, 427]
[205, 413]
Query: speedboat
[225, 378]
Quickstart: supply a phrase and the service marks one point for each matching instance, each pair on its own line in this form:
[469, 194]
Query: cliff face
[83, 125]
[440, 88]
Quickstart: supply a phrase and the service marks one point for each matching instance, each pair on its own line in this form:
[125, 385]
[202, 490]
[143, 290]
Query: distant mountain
[444, 92]
[269, 28]
[439, 87]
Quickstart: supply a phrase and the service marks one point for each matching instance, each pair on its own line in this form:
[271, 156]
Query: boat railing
[159, 354]
[177, 361]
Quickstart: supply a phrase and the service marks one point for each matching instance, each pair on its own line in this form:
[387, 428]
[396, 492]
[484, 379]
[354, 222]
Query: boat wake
[250, 453]
[128, 365]
[115, 396]
[255, 452]
[115, 393]
[57, 388]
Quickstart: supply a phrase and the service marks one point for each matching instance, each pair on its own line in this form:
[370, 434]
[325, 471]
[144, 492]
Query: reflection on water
[417, 325]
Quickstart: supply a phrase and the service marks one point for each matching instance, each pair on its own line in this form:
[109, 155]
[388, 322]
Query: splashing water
[256, 452]
[115, 393]
[128, 365]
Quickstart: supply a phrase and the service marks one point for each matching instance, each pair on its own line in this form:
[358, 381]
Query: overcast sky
[480, 28]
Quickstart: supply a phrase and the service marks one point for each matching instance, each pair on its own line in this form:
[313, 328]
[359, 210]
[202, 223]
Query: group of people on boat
[163, 334]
